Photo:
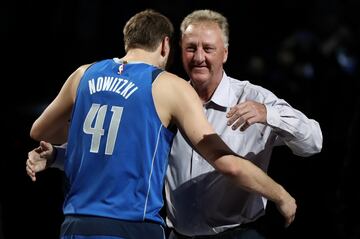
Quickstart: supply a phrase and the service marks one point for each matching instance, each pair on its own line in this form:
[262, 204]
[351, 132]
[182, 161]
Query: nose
[199, 56]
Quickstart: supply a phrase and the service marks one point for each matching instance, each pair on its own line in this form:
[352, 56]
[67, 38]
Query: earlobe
[165, 48]
[225, 55]
[164, 52]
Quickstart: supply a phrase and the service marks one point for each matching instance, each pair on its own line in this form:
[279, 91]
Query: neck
[206, 89]
[151, 58]
[204, 92]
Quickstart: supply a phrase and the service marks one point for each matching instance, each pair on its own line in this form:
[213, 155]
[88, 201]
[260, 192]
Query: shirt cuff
[272, 117]
[59, 157]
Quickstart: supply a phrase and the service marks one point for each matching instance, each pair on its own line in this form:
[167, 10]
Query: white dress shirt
[200, 200]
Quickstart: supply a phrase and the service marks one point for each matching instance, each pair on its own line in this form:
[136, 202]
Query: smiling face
[203, 54]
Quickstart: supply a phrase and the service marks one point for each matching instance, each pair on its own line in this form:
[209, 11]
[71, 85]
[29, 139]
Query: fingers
[235, 116]
[30, 170]
[45, 146]
[289, 212]
[37, 154]
[234, 110]
[37, 157]
[236, 121]
[37, 150]
[241, 120]
[290, 220]
[245, 114]
[240, 116]
[287, 207]
[46, 149]
[245, 126]
[31, 163]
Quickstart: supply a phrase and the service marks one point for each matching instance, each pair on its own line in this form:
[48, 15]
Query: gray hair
[207, 15]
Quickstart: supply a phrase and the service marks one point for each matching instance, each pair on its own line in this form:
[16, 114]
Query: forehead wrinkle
[203, 33]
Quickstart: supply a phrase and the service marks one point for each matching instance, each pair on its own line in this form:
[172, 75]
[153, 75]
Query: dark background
[306, 52]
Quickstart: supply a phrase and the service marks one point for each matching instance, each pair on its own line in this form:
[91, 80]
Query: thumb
[45, 146]
[46, 149]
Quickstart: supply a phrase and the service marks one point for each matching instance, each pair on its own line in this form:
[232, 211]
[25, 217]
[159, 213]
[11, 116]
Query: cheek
[186, 58]
[218, 60]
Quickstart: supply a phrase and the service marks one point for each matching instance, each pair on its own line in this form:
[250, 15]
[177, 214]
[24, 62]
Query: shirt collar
[223, 95]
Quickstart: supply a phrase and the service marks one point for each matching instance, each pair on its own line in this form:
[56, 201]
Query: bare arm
[185, 108]
[52, 124]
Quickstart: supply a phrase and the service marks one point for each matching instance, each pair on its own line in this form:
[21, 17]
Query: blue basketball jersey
[118, 149]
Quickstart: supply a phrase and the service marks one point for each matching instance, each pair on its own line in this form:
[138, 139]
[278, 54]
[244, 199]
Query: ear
[165, 47]
[226, 52]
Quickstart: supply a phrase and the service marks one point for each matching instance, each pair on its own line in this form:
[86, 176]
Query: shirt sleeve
[292, 127]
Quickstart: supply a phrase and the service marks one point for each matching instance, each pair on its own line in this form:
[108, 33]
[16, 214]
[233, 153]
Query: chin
[199, 77]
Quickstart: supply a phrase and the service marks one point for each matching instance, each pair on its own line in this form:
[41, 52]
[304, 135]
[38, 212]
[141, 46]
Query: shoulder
[173, 88]
[74, 79]
[172, 80]
[170, 76]
[81, 69]
[97, 64]
[77, 74]
[250, 90]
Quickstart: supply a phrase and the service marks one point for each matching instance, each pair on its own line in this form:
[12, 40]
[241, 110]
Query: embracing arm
[52, 124]
[187, 113]
[301, 134]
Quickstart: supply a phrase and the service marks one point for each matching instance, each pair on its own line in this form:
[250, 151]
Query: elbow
[309, 148]
[234, 171]
[239, 173]
[35, 136]
[35, 133]
[232, 168]
[310, 151]
[230, 172]
[316, 147]
[317, 143]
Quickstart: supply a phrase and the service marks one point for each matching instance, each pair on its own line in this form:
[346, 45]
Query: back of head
[146, 30]
[207, 15]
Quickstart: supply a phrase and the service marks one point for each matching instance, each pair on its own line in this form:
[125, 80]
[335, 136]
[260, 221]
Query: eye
[190, 49]
[209, 49]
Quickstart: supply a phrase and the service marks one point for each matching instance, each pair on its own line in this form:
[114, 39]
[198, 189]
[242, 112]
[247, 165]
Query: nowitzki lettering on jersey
[121, 86]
